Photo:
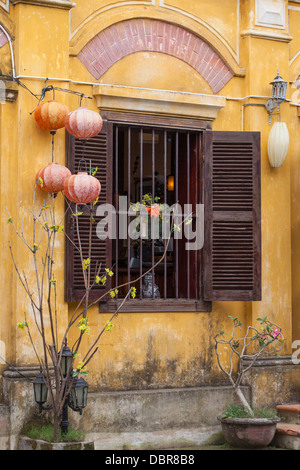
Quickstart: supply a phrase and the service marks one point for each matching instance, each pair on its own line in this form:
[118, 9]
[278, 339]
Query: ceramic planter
[249, 433]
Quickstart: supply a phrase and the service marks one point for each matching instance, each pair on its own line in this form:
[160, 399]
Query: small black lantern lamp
[40, 389]
[279, 89]
[66, 360]
[78, 395]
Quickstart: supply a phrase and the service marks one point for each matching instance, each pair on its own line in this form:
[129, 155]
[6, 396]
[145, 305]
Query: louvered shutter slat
[232, 216]
[97, 153]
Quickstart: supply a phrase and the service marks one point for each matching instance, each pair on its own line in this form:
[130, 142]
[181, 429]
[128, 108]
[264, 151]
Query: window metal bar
[200, 199]
[128, 201]
[165, 202]
[188, 201]
[117, 203]
[141, 197]
[176, 201]
[153, 198]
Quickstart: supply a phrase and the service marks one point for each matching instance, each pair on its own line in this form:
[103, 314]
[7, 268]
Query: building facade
[188, 79]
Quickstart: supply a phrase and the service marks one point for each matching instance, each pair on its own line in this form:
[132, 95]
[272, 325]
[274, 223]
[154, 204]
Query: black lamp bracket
[270, 106]
[44, 408]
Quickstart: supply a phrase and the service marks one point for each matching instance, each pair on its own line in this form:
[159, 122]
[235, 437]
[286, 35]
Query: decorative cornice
[270, 361]
[262, 34]
[61, 4]
[17, 373]
[8, 94]
[158, 102]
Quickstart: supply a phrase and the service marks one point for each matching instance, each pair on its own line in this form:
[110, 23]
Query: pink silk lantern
[51, 178]
[83, 123]
[82, 188]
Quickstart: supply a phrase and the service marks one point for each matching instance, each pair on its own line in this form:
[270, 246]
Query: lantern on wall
[83, 123]
[279, 89]
[51, 178]
[79, 392]
[278, 144]
[66, 360]
[40, 389]
[82, 188]
[51, 115]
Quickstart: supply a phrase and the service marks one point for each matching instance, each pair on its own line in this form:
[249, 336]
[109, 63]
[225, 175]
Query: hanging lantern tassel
[82, 188]
[278, 143]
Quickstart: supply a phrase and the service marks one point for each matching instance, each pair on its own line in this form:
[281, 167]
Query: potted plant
[148, 224]
[243, 426]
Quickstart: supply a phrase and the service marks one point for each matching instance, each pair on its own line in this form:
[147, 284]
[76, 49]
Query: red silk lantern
[51, 115]
[83, 123]
[51, 178]
[82, 188]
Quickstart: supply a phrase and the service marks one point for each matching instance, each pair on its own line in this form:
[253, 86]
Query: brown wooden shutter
[232, 251]
[98, 153]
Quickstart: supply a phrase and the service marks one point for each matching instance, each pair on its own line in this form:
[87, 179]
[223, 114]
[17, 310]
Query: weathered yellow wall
[294, 58]
[155, 349]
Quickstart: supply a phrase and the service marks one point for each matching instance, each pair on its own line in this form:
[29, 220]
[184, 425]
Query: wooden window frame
[209, 290]
[162, 305]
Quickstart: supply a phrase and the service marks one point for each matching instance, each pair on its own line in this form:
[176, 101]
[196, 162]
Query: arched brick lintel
[142, 34]
[3, 38]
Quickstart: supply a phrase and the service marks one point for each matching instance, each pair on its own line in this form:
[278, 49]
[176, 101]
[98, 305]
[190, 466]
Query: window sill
[156, 305]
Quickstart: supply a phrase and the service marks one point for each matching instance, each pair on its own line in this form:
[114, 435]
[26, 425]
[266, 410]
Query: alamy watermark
[2, 92]
[296, 353]
[155, 222]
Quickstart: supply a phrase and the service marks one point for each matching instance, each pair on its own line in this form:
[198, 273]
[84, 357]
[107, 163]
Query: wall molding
[61, 4]
[158, 102]
[263, 34]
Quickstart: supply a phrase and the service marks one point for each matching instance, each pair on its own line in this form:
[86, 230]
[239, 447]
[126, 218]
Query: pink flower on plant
[264, 336]
[275, 332]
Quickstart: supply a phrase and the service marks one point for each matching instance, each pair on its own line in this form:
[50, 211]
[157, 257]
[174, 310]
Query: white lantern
[278, 143]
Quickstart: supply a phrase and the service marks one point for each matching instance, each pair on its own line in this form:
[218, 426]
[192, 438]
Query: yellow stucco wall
[154, 349]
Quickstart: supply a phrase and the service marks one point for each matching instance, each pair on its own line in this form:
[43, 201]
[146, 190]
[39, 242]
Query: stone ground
[217, 442]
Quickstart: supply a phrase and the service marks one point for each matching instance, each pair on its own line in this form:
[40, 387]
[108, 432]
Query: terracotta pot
[249, 433]
[82, 188]
[51, 178]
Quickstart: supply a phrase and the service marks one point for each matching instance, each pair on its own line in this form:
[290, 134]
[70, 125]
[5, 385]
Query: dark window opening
[179, 160]
[162, 166]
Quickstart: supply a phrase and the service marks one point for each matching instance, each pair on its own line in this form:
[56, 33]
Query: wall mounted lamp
[278, 141]
[279, 88]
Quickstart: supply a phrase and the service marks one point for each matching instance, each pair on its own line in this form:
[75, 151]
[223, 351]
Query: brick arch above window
[3, 38]
[141, 34]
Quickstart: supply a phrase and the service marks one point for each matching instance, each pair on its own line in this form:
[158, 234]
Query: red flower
[154, 210]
